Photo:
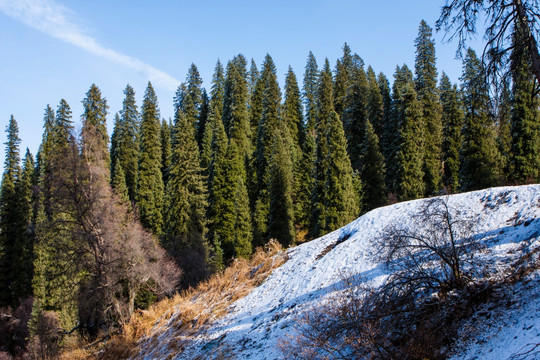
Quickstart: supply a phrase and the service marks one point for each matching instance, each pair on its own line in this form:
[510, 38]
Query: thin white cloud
[59, 22]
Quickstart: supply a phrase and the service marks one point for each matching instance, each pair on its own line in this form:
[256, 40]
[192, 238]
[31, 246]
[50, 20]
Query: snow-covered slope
[256, 323]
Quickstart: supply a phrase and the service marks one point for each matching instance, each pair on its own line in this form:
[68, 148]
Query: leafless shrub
[413, 315]
[435, 251]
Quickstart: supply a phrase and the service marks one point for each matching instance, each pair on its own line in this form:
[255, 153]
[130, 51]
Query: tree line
[94, 227]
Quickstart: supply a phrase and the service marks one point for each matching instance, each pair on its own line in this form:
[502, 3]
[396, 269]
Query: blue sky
[57, 49]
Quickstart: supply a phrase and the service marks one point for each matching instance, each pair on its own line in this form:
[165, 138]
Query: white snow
[256, 323]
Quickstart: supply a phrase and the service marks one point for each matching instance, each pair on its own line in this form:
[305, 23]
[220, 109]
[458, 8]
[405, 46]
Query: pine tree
[426, 88]
[373, 170]
[125, 142]
[481, 161]
[185, 222]
[253, 78]
[410, 154]
[452, 118]
[311, 81]
[525, 126]
[150, 182]
[9, 213]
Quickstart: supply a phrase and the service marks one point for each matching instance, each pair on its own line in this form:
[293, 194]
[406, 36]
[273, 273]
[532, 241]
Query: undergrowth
[188, 312]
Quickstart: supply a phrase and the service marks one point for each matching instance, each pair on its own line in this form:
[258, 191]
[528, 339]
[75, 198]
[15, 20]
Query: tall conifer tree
[525, 126]
[428, 95]
[311, 81]
[481, 161]
[452, 118]
[125, 142]
[186, 202]
[9, 213]
[150, 182]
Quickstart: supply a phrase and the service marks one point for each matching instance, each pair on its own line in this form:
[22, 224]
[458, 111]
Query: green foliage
[335, 201]
[118, 184]
[311, 81]
[373, 171]
[355, 112]
[186, 199]
[375, 103]
[280, 186]
[292, 114]
[150, 182]
[95, 116]
[525, 124]
[166, 150]
[452, 119]
[125, 142]
[267, 132]
[9, 213]
[481, 162]
[428, 95]
[410, 175]
[342, 79]
[22, 261]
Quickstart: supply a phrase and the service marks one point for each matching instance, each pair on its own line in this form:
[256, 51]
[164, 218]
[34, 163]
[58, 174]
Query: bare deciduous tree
[505, 20]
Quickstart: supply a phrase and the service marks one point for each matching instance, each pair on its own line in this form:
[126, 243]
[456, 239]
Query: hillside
[256, 325]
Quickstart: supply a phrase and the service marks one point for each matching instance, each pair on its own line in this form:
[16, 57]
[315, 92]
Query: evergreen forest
[95, 226]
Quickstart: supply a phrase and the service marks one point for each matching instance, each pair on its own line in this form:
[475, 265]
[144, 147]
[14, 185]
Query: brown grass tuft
[193, 310]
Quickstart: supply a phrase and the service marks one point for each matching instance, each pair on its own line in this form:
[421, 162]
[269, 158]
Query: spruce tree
[166, 151]
[387, 128]
[304, 182]
[428, 95]
[311, 81]
[355, 113]
[481, 161]
[22, 261]
[343, 75]
[118, 184]
[150, 182]
[504, 105]
[373, 171]
[375, 104]
[392, 136]
[341, 200]
[9, 213]
[267, 131]
[452, 118]
[125, 142]
[186, 202]
[410, 153]
[525, 125]
[292, 113]
[203, 117]
[95, 117]
[281, 210]
[335, 201]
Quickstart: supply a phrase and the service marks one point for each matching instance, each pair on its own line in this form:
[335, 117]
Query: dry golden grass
[191, 311]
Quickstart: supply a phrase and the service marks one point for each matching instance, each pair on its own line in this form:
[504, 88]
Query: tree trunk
[529, 39]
